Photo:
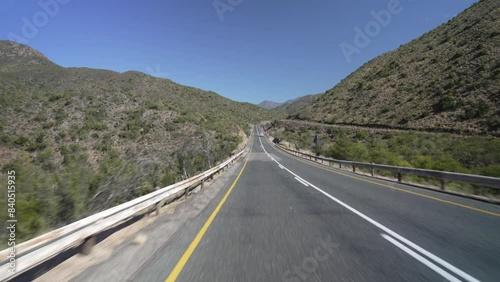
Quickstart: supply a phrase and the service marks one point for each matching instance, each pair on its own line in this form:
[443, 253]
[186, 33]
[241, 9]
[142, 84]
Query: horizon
[222, 48]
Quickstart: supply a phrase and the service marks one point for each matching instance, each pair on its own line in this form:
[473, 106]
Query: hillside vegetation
[269, 105]
[446, 80]
[82, 140]
[437, 151]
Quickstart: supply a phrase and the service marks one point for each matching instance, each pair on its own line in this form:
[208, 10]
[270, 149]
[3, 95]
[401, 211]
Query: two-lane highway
[287, 219]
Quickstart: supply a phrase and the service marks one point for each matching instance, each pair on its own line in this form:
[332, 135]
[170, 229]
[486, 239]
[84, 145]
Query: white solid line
[389, 231]
[301, 181]
[421, 259]
[402, 239]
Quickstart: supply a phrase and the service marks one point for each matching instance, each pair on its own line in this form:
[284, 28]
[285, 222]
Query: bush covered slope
[446, 80]
[82, 140]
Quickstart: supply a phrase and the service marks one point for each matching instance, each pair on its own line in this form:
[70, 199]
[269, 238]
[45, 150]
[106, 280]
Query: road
[279, 218]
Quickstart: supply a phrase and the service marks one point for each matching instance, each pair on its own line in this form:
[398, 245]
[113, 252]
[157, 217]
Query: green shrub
[361, 135]
[422, 161]
[476, 110]
[446, 162]
[60, 115]
[457, 55]
[41, 116]
[154, 105]
[490, 170]
[56, 96]
[445, 103]
[385, 109]
[169, 176]
[493, 124]
[21, 141]
[65, 206]
[46, 160]
[48, 125]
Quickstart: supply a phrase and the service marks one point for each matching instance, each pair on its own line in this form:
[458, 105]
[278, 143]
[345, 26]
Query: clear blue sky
[262, 49]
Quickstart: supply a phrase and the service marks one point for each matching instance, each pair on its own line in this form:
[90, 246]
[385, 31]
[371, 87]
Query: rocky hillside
[82, 140]
[446, 80]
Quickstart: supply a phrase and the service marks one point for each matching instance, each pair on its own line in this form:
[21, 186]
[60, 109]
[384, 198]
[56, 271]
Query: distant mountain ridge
[448, 79]
[33, 89]
[294, 105]
[289, 106]
[269, 105]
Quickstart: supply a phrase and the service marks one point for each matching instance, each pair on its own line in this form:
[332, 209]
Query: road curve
[286, 219]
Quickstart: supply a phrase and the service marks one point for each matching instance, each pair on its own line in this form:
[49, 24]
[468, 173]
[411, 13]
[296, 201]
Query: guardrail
[443, 176]
[41, 249]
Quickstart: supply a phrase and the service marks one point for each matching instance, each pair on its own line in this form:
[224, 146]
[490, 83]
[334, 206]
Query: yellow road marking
[187, 254]
[391, 187]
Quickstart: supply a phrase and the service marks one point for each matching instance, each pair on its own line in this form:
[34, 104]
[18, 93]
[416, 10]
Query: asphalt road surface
[280, 218]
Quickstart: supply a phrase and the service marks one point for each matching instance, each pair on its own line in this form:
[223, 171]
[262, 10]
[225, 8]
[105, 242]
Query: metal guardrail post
[442, 176]
[353, 168]
[159, 206]
[88, 245]
[157, 209]
[45, 247]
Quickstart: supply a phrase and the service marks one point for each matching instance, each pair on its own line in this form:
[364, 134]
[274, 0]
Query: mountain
[294, 105]
[446, 80]
[269, 105]
[82, 140]
[291, 105]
